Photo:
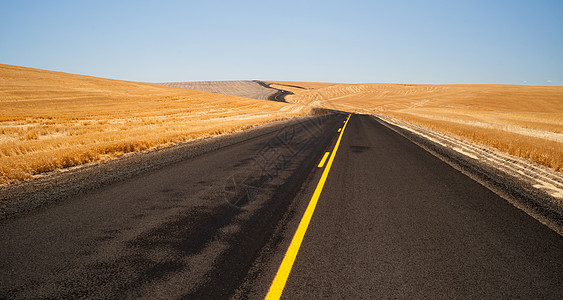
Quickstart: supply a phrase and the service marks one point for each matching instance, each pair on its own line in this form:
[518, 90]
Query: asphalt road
[392, 221]
[190, 230]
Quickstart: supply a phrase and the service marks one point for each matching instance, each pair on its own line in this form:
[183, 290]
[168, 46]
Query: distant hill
[249, 89]
[51, 120]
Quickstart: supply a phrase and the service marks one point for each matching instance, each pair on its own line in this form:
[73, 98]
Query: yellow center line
[278, 284]
[322, 163]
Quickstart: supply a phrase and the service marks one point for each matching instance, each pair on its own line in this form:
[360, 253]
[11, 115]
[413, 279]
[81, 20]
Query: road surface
[392, 221]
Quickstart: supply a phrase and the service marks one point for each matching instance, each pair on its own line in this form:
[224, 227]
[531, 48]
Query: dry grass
[524, 121]
[540, 150]
[51, 120]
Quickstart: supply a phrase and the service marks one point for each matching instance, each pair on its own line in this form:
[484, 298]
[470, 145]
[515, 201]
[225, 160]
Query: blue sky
[506, 42]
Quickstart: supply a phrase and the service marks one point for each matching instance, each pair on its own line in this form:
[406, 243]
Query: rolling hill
[51, 120]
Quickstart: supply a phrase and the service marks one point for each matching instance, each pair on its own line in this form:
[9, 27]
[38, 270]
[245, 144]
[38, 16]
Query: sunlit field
[524, 121]
[52, 120]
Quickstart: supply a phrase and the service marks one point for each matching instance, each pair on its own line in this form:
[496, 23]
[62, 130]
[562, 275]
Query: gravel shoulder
[530, 187]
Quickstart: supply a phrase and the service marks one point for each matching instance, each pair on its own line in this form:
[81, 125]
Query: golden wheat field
[525, 121]
[52, 120]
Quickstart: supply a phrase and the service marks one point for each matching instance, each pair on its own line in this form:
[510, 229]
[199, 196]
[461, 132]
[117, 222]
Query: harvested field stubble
[52, 120]
[249, 89]
[525, 121]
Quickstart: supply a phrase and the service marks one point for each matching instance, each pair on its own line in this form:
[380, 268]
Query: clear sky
[428, 41]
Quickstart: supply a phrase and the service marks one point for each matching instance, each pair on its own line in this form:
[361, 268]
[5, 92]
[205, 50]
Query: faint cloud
[525, 81]
[550, 81]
